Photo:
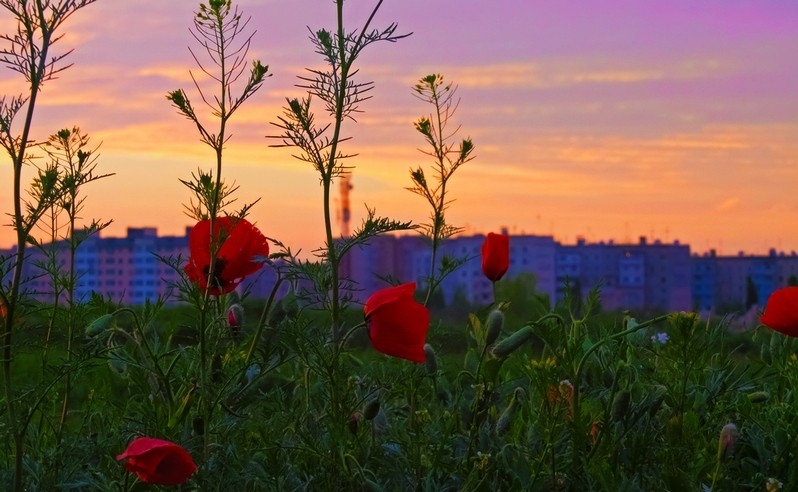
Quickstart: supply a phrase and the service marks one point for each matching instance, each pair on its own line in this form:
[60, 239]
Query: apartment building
[641, 275]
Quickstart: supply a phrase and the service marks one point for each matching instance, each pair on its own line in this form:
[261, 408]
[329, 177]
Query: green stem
[262, 321]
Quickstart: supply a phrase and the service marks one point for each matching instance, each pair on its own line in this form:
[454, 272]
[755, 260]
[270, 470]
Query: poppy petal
[781, 311]
[397, 323]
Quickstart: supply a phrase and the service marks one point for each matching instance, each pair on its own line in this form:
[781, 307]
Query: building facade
[642, 275]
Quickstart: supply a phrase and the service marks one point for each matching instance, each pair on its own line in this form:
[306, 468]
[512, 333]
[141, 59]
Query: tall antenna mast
[345, 212]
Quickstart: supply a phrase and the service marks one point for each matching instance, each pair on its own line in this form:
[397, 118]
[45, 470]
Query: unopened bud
[380, 423]
[506, 419]
[354, 422]
[235, 320]
[759, 396]
[117, 364]
[100, 325]
[727, 440]
[494, 324]
[512, 343]
[430, 359]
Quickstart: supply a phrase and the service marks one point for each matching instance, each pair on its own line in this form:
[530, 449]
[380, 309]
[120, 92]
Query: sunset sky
[608, 119]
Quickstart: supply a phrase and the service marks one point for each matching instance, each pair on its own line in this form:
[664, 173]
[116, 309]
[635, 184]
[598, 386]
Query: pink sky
[608, 119]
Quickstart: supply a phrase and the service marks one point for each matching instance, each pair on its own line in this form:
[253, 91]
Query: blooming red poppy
[495, 256]
[397, 325]
[238, 248]
[158, 462]
[781, 311]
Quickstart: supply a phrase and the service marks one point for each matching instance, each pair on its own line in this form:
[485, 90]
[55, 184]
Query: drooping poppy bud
[380, 424]
[354, 422]
[495, 323]
[397, 324]
[758, 396]
[512, 343]
[495, 256]
[158, 462]
[506, 419]
[431, 362]
[726, 441]
[100, 325]
[781, 311]
[235, 319]
[372, 409]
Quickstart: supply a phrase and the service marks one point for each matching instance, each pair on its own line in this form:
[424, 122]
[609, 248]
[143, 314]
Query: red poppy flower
[495, 256]
[781, 311]
[397, 324]
[158, 462]
[238, 243]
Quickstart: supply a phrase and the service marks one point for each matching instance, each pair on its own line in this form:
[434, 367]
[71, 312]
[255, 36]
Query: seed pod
[100, 325]
[430, 360]
[512, 343]
[726, 441]
[372, 409]
[494, 324]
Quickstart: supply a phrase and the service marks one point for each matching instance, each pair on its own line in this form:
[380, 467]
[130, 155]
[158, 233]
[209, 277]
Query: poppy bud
[431, 361]
[759, 396]
[727, 440]
[117, 364]
[495, 323]
[380, 423]
[100, 325]
[659, 398]
[235, 319]
[512, 343]
[354, 422]
[372, 409]
[252, 372]
[506, 420]
[495, 256]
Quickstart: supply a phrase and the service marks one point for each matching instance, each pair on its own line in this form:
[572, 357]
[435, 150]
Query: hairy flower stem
[73, 246]
[18, 157]
[262, 322]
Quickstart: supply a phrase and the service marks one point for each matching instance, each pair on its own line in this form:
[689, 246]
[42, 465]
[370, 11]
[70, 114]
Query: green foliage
[288, 394]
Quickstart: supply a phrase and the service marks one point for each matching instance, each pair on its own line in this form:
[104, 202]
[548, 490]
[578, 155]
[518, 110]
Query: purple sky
[608, 119]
